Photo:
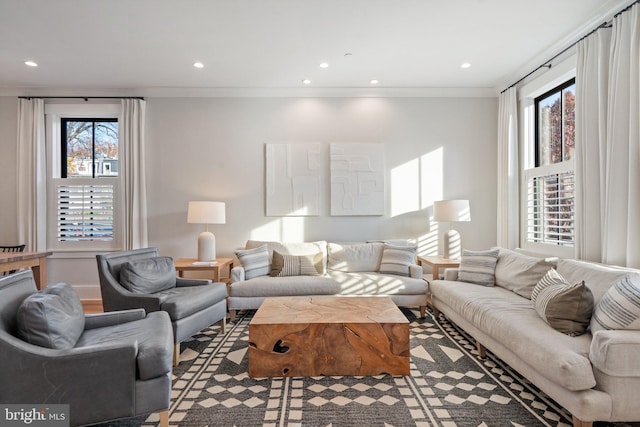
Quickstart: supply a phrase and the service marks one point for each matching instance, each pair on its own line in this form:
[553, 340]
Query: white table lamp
[206, 213]
[451, 211]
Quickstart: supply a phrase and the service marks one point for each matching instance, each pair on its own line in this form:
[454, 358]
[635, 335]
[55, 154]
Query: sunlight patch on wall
[431, 177]
[428, 243]
[286, 229]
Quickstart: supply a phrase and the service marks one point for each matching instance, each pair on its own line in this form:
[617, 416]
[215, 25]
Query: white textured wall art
[293, 179]
[357, 179]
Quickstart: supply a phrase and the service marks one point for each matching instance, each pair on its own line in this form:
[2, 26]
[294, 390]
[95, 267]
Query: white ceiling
[142, 45]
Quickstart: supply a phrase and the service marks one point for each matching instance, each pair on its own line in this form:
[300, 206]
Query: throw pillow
[354, 257]
[254, 261]
[52, 317]
[397, 259]
[551, 278]
[566, 308]
[148, 276]
[478, 267]
[296, 265]
[519, 272]
[619, 308]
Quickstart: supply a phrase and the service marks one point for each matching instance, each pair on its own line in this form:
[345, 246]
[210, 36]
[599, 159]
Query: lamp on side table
[206, 213]
[451, 211]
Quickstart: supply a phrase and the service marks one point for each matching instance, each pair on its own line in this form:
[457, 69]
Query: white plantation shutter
[550, 205]
[84, 212]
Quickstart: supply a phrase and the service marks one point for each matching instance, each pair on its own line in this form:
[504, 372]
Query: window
[84, 185]
[550, 182]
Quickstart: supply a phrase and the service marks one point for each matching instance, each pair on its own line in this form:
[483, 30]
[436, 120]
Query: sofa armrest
[101, 320]
[451, 274]
[415, 271]
[181, 282]
[616, 353]
[237, 274]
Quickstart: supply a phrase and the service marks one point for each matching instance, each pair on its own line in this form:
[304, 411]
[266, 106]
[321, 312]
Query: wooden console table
[36, 261]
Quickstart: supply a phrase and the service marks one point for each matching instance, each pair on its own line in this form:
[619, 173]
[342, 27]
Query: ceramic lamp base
[206, 246]
[452, 245]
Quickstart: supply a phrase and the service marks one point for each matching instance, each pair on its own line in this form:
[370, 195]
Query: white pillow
[478, 267]
[254, 261]
[619, 308]
[354, 257]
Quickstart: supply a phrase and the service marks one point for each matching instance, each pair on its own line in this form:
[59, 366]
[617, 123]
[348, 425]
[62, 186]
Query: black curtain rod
[547, 64]
[86, 98]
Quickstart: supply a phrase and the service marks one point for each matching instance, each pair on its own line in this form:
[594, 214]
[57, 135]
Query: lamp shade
[206, 213]
[451, 211]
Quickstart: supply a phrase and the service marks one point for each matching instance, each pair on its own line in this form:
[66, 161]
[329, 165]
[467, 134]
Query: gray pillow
[148, 276]
[566, 308]
[254, 261]
[478, 267]
[397, 259]
[52, 317]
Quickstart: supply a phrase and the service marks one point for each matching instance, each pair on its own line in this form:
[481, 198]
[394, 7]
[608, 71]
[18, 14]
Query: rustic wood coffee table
[315, 336]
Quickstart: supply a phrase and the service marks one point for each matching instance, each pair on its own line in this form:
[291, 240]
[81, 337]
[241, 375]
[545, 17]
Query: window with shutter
[85, 212]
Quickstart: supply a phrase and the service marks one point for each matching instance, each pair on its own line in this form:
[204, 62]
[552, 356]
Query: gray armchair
[192, 305]
[119, 367]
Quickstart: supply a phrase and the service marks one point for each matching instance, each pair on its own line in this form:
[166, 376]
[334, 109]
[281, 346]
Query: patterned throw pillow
[397, 259]
[566, 308]
[284, 265]
[478, 267]
[254, 261]
[619, 308]
[551, 278]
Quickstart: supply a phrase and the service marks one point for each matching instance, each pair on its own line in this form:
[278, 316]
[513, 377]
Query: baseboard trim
[92, 306]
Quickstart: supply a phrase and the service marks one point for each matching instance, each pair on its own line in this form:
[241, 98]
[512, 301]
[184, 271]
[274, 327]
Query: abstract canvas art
[293, 179]
[357, 179]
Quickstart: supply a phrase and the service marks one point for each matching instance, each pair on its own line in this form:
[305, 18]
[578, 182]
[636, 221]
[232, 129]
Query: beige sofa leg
[482, 351]
[176, 354]
[580, 423]
[232, 316]
[164, 418]
[423, 311]
[223, 324]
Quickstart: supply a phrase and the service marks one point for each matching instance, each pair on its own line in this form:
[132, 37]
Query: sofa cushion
[295, 265]
[354, 257]
[565, 307]
[148, 276]
[519, 272]
[52, 317]
[181, 302]
[619, 308]
[267, 286]
[478, 267]
[364, 283]
[511, 320]
[296, 248]
[255, 261]
[153, 336]
[397, 259]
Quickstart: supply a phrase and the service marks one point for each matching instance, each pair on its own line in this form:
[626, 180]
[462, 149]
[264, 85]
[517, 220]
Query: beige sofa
[348, 269]
[594, 376]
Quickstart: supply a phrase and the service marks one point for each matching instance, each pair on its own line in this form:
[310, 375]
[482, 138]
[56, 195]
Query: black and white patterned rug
[448, 386]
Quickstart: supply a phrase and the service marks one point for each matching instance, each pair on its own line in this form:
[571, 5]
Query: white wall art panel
[293, 179]
[357, 179]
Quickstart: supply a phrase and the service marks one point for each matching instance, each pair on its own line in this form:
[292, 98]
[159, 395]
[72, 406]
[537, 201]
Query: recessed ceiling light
[30, 63]
[324, 65]
[198, 64]
[465, 65]
[374, 81]
[306, 81]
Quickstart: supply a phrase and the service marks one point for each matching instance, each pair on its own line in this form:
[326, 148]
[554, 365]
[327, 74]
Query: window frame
[54, 113]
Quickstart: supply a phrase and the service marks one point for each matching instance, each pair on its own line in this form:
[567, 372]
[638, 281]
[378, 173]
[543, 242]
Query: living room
[206, 129]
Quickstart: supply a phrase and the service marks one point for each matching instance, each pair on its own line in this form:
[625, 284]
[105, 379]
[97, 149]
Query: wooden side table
[192, 264]
[438, 262]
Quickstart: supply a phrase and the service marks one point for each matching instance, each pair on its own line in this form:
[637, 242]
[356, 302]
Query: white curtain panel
[32, 175]
[508, 170]
[133, 166]
[592, 78]
[621, 232]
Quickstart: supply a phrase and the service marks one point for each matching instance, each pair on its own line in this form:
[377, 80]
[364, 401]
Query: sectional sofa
[595, 375]
[341, 269]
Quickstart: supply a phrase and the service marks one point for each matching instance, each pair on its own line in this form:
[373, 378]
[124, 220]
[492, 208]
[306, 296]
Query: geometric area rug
[449, 385]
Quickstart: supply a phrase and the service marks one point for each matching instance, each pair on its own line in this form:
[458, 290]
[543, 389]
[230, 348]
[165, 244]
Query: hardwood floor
[92, 306]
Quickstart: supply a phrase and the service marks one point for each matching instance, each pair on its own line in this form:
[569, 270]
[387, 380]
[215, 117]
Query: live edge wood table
[316, 336]
[36, 261]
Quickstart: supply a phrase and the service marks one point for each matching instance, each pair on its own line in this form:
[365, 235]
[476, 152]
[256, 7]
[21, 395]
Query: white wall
[8, 159]
[213, 149]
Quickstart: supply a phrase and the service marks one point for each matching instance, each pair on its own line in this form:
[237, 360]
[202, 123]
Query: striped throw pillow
[254, 261]
[551, 278]
[478, 267]
[566, 308]
[619, 308]
[397, 259]
[296, 265]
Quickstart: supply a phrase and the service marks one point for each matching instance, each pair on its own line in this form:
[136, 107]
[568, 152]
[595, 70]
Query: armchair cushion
[185, 301]
[52, 317]
[148, 276]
